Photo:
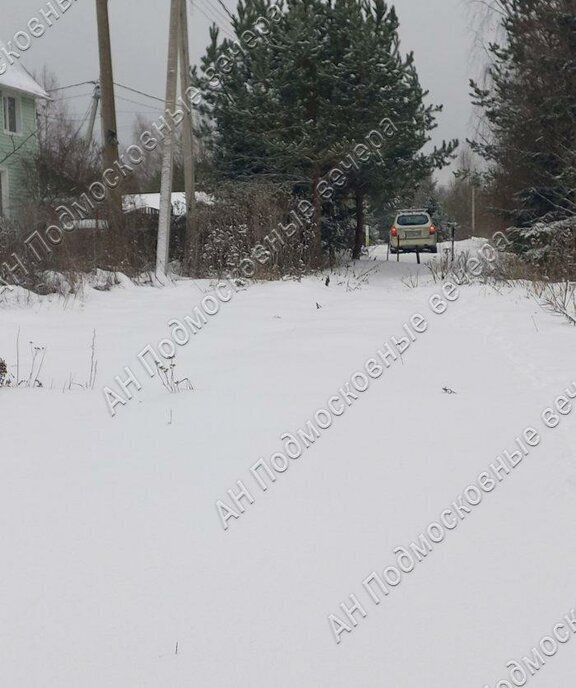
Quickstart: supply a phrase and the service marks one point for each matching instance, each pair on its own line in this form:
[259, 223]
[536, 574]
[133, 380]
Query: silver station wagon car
[413, 230]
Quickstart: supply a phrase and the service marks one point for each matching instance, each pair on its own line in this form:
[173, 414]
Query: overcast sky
[438, 31]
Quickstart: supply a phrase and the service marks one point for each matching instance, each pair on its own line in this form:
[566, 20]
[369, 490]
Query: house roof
[18, 79]
[152, 201]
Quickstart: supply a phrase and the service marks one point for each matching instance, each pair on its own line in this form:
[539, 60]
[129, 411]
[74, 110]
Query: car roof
[412, 212]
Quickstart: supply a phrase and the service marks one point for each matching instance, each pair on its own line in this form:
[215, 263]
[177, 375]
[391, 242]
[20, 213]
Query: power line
[65, 88]
[135, 102]
[136, 112]
[141, 93]
[17, 149]
[81, 95]
[59, 118]
[84, 119]
[226, 9]
[216, 11]
[196, 6]
[84, 83]
[211, 18]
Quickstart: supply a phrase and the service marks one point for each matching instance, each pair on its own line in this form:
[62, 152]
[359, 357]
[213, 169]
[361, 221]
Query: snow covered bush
[440, 267]
[225, 245]
[61, 268]
[558, 298]
[243, 215]
[550, 247]
[35, 272]
[467, 267]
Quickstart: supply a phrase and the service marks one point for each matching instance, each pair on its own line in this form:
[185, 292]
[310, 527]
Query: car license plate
[413, 234]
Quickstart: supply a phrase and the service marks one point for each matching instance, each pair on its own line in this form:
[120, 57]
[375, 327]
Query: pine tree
[530, 109]
[296, 103]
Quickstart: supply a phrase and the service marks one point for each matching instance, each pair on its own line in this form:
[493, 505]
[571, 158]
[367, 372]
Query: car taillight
[432, 229]
[394, 232]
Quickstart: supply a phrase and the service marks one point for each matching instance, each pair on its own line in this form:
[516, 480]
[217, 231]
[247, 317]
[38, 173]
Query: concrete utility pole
[162, 253]
[191, 241]
[109, 129]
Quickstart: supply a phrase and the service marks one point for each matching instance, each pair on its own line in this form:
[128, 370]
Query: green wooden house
[19, 95]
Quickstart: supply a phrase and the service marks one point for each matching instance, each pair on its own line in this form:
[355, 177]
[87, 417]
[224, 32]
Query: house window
[11, 106]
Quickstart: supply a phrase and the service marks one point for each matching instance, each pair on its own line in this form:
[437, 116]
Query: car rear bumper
[411, 245]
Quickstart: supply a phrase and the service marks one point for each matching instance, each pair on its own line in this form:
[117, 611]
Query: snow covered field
[117, 572]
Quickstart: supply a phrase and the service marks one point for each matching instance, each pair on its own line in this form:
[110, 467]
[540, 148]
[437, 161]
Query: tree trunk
[316, 248]
[359, 233]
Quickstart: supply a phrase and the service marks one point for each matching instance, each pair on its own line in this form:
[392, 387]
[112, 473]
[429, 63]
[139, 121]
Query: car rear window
[412, 220]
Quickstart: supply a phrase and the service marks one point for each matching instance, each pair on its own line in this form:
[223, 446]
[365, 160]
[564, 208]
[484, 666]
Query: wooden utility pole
[108, 108]
[93, 113]
[162, 253]
[192, 239]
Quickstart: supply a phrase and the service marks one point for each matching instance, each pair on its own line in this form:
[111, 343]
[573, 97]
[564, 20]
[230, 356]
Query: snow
[152, 200]
[91, 224]
[113, 551]
[17, 78]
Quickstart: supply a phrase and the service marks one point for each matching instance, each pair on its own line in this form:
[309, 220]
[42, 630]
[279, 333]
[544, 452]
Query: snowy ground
[113, 551]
